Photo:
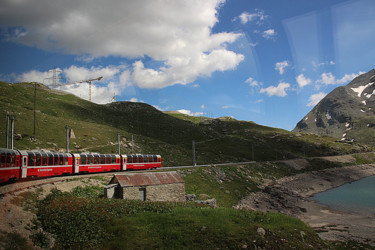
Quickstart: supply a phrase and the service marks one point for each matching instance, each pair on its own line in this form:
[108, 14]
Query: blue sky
[267, 61]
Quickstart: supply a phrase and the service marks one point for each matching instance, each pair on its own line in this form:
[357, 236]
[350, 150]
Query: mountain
[347, 113]
[96, 129]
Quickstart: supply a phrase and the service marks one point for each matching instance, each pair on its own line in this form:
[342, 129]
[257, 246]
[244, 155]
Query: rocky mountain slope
[347, 113]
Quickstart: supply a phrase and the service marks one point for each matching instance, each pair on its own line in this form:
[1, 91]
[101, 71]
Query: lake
[356, 197]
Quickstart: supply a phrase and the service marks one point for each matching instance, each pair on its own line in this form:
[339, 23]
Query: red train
[19, 164]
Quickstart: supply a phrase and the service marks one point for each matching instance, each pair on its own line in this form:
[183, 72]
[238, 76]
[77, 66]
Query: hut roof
[146, 179]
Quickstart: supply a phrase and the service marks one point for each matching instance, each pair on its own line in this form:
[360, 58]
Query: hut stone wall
[165, 192]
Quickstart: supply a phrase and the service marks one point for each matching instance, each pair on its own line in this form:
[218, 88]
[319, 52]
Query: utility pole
[118, 139]
[132, 145]
[252, 151]
[54, 78]
[34, 109]
[7, 133]
[11, 131]
[193, 150]
[67, 138]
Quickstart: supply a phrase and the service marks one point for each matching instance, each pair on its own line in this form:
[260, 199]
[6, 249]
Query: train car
[42, 164]
[138, 162]
[15, 164]
[94, 162]
[10, 162]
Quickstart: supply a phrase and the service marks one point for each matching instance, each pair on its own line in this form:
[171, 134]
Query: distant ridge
[347, 113]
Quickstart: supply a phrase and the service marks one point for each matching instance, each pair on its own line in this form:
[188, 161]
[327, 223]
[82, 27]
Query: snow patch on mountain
[359, 90]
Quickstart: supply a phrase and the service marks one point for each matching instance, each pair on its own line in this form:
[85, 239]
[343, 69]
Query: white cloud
[133, 99]
[280, 66]
[74, 73]
[225, 107]
[114, 81]
[189, 113]
[33, 76]
[348, 77]
[202, 106]
[158, 108]
[184, 70]
[257, 16]
[269, 34]
[252, 82]
[280, 90]
[329, 78]
[178, 34]
[315, 99]
[302, 80]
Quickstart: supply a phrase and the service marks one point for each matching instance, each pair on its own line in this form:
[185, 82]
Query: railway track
[11, 188]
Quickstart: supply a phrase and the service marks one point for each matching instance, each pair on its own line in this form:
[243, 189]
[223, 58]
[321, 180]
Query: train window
[155, 158]
[113, 159]
[61, 162]
[8, 158]
[2, 158]
[109, 159]
[31, 160]
[83, 160]
[50, 160]
[96, 159]
[44, 160]
[66, 160]
[13, 160]
[102, 159]
[38, 159]
[55, 159]
[90, 159]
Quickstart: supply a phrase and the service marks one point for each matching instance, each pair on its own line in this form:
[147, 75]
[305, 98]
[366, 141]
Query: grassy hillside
[96, 127]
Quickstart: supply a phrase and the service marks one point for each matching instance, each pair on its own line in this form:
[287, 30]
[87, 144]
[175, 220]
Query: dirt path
[291, 195]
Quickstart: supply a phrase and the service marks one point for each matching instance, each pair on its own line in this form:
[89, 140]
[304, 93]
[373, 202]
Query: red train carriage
[41, 164]
[93, 162]
[10, 161]
[16, 164]
[137, 162]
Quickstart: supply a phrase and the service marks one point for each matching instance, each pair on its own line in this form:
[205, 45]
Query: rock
[261, 231]
[18, 137]
[210, 202]
[302, 233]
[191, 197]
[204, 196]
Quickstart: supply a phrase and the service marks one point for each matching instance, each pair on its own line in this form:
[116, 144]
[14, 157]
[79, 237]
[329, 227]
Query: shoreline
[293, 196]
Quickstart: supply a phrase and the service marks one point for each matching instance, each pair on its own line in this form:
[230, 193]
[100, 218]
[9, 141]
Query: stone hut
[154, 186]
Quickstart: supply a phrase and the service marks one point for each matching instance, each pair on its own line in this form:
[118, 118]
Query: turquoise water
[356, 197]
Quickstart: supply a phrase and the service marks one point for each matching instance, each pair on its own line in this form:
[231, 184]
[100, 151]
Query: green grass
[82, 222]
